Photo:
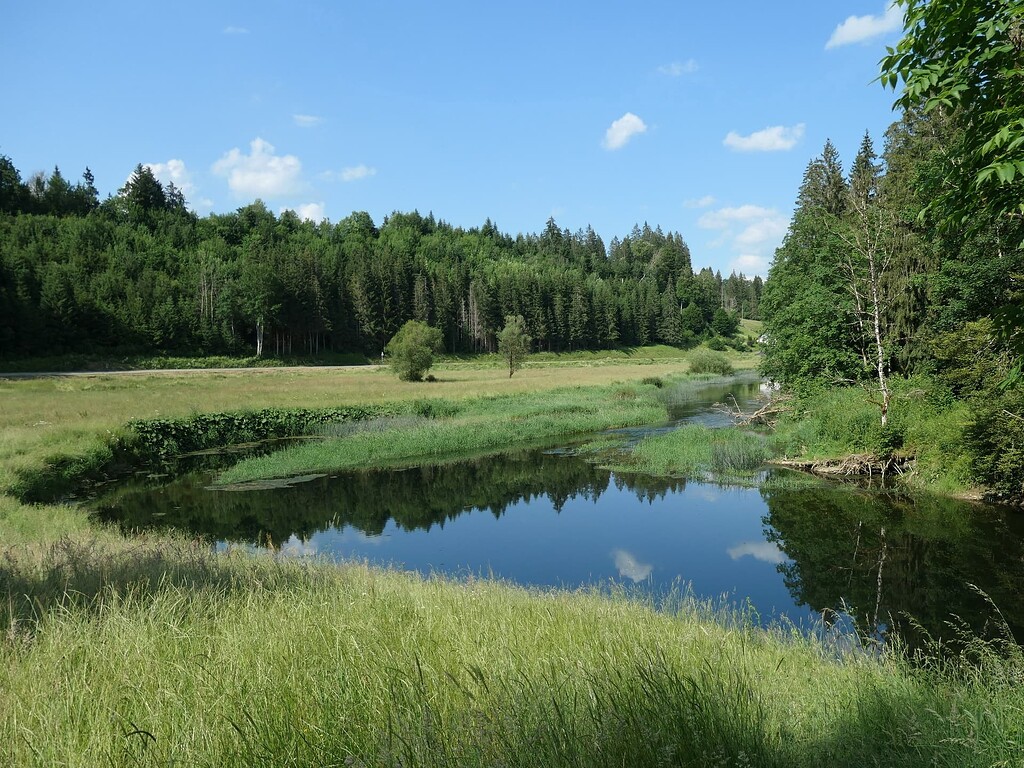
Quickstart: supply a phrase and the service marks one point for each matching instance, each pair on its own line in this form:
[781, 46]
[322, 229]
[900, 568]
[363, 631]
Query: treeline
[139, 272]
[872, 286]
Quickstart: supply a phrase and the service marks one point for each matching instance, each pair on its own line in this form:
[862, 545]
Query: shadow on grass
[86, 572]
[645, 713]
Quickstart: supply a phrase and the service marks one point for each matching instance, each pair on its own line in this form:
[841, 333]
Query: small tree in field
[514, 343]
[412, 350]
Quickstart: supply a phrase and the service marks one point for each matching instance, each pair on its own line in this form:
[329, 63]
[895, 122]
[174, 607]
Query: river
[793, 550]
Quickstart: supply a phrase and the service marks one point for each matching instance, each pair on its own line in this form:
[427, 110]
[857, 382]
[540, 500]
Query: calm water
[548, 518]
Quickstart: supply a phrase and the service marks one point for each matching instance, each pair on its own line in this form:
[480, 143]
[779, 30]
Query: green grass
[159, 652]
[924, 423]
[474, 425]
[699, 452]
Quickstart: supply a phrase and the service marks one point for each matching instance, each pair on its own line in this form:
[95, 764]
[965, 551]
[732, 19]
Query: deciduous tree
[412, 350]
[514, 343]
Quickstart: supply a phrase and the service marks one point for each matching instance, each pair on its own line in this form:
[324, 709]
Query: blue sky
[696, 117]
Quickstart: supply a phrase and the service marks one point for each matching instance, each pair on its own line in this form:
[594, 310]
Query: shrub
[716, 343]
[706, 361]
[412, 350]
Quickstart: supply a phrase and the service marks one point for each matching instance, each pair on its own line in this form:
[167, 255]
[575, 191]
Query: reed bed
[695, 451]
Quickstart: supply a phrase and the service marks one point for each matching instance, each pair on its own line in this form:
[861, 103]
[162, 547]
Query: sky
[699, 118]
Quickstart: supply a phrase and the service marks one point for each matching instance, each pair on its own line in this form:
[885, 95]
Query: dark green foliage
[158, 439]
[412, 350]
[995, 438]
[725, 323]
[140, 274]
[806, 305]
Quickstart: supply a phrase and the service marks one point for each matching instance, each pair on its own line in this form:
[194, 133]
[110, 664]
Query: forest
[903, 275]
[140, 273]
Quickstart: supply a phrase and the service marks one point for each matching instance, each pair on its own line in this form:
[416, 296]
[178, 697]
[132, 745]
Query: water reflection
[765, 551]
[531, 517]
[629, 567]
[546, 519]
[900, 565]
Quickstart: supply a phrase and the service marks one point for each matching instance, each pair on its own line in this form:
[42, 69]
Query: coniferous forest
[140, 273]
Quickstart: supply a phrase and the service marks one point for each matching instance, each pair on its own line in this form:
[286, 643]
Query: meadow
[158, 650]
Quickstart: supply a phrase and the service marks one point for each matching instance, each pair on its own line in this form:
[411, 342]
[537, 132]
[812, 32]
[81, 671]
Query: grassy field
[50, 418]
[158, 651]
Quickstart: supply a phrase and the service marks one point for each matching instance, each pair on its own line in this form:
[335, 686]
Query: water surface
[551, 519]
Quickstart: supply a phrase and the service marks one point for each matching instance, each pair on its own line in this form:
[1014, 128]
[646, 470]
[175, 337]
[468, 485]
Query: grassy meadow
[159, 651]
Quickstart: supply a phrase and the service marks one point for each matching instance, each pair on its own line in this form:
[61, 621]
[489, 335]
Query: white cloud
[309, 211]
[750, 264]
[357, 172]
[700, 202]
[261, 173]
[768, 229]
[751, 231]
[307, 121]
[678, 68]
[725, 217]
[622, 130]
[859, 29]
[629, 567]
[236, 31]
[772, 139]
[174, 171]
[764, 551]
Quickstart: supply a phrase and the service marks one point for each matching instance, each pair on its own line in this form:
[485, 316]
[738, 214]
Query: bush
[412, 350]
[717, 343]
[706, 361]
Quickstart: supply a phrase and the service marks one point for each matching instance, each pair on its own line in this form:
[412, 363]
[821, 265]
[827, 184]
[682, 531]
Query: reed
[471, 426]
[695, 451]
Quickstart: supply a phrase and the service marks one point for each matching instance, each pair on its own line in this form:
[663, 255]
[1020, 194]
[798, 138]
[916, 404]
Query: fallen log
[860, 464]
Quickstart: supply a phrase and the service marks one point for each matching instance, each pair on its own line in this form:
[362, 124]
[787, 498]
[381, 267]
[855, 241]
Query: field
[68, 416]
[158, 651]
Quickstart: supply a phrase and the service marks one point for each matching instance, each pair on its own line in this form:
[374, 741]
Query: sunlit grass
[475, 425]
[160, 652]
[44, 419]
[924, 423]
[695, 451]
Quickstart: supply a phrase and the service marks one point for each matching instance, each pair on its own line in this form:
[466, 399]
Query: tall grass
[925, 423]
[157, 652]
[63, 419]
[481, 424]
[696, 451]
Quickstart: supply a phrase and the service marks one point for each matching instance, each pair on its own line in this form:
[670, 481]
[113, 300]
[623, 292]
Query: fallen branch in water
[857, 464]
[767, 415]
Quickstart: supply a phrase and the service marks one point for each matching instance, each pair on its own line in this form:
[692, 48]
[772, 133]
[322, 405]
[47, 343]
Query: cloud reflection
[629, 567]
[764, 551]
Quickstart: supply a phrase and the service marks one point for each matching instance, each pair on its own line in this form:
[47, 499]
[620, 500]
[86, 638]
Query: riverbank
[68, 423]
[156, 651]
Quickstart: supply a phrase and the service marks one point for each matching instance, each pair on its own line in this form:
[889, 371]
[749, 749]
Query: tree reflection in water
[901, 565]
